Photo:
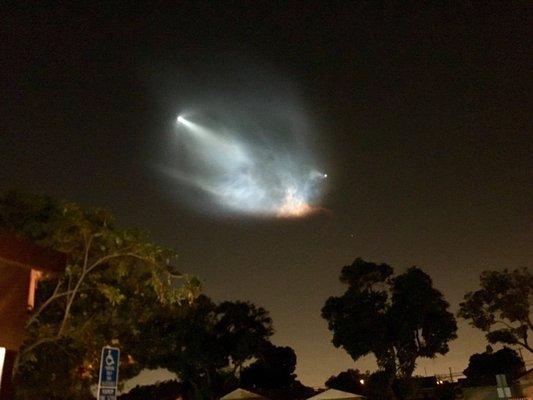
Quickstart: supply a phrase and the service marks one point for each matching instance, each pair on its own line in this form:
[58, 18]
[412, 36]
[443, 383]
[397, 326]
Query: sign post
[108, 377]
[504, 391]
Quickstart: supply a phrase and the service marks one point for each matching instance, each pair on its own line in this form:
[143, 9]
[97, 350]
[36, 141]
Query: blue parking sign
[108, 381]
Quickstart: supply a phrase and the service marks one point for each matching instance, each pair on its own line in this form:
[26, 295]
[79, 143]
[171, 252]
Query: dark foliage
[272, 375]
[380, 386]
[504, 303]
[206, 344]
[274, 368]
[348, 381]
[397, 319]
[167, 390]
[483, 367]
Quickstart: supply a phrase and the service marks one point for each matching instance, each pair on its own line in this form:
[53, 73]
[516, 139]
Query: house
[334, 394]
[525, 383]
[241, 394]
[22, 264]
[522, 387]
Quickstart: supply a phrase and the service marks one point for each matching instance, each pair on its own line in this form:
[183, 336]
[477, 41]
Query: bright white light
[2, 360]
[249, 174]
[362, 381]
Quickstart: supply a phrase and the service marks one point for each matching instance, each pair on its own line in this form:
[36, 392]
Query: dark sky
[422, 120]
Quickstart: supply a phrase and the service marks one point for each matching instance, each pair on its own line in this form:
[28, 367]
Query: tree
[483, 367]
[348, 381]
[380, 386]
[503, 302]
[272, 375]
[244, 329]
[421, 322]
[107, 268]
[206, 344]
[167, 390]
[274, 368]
[398, 319]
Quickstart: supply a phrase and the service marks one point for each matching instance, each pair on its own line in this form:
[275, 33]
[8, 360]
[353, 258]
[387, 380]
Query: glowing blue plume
[246, 172]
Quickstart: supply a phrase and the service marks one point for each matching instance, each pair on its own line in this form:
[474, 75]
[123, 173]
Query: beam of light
[249, 174]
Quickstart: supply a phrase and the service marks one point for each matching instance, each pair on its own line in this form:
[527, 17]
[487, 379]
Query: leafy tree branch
[505, 298]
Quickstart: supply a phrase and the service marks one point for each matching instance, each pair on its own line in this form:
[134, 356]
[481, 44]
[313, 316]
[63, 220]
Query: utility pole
[521, 356]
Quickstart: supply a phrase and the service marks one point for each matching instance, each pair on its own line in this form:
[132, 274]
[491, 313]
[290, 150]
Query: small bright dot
[325, 175]
[180, 119]
[362, 381]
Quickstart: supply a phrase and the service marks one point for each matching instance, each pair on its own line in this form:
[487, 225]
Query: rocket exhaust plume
[246, 174]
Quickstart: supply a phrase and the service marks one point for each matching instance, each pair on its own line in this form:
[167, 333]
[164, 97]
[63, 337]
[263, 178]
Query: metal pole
[521, 356]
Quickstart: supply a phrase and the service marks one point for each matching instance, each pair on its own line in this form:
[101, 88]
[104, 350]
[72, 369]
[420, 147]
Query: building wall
[14, 288]
[21, 264]
[526, 386]
[6, 386]
[519, 390]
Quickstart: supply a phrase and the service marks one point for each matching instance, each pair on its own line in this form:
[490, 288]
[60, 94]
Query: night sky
[419, 116]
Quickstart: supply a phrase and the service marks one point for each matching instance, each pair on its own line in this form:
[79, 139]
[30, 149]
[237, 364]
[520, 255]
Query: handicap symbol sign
[108, 380]
[109, 360]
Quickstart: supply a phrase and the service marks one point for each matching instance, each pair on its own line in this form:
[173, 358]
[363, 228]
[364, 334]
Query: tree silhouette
[504, 302]
[274, 368]
[398, 319]
[483, 367]
[167, 390]
[272, 375]
[205, 344]
[348, 381]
